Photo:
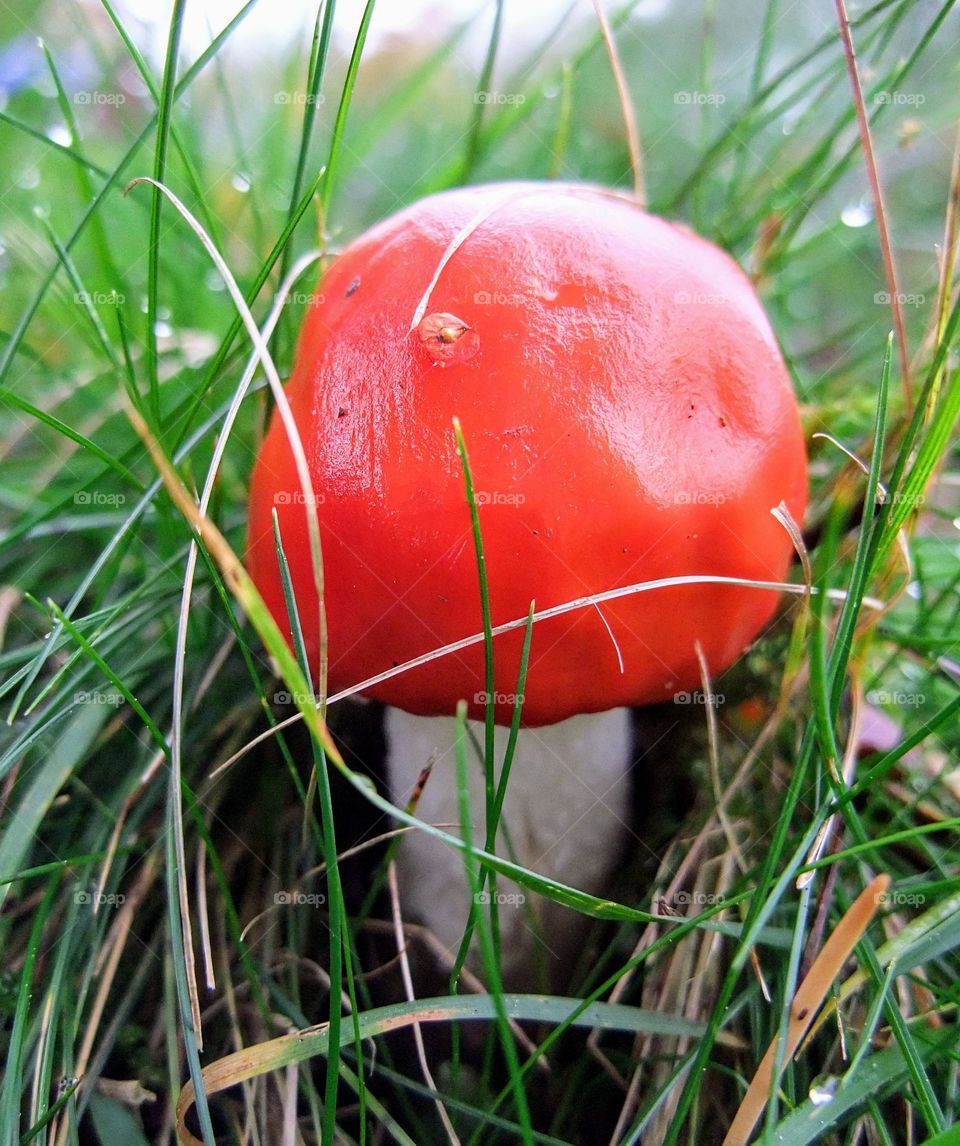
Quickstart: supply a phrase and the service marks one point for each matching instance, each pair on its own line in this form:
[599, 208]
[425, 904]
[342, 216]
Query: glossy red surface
[627, 415]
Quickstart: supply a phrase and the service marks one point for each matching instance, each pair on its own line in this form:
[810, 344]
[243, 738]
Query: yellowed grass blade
[241, 585]
[626, 105]
[806, 1002]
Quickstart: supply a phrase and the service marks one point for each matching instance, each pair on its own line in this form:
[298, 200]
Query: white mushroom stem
[566, 815]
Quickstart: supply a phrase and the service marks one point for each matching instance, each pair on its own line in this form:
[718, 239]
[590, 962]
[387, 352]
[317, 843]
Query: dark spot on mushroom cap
[342, 413]
[722, 422]
[354, 283]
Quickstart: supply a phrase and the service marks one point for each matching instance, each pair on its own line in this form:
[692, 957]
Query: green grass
[141, 932]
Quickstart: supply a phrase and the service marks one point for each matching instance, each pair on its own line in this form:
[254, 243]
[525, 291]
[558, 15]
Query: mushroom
[628, 417]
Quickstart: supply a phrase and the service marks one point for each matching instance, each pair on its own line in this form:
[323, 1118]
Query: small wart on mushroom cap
[447, 338]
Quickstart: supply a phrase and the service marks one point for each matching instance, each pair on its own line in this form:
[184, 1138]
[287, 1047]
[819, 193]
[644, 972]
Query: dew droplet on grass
[856, 214]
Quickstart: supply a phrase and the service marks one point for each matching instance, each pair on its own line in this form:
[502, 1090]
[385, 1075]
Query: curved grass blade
[251, 1062]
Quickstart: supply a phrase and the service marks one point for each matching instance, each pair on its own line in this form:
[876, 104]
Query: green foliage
[125, 859]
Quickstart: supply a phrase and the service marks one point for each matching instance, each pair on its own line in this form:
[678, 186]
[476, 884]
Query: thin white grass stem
[411, 997]
[521, 622]
[262, 354]
[713, 744]
[456, 243]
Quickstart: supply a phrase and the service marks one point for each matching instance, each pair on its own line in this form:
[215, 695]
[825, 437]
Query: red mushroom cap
[627, 415]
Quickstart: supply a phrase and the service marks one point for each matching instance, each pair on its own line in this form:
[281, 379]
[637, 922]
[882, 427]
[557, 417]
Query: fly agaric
[628, 417]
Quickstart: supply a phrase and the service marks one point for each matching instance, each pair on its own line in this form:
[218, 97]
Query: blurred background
[694, 71]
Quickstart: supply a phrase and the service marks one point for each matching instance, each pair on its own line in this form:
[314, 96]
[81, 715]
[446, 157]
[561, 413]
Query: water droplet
[790, 119]
[213, 281]
[823, 1090]
[915, 590]
[59, 134]
[162, 329]
[29, 178]
[240, 183]
[857, 214]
